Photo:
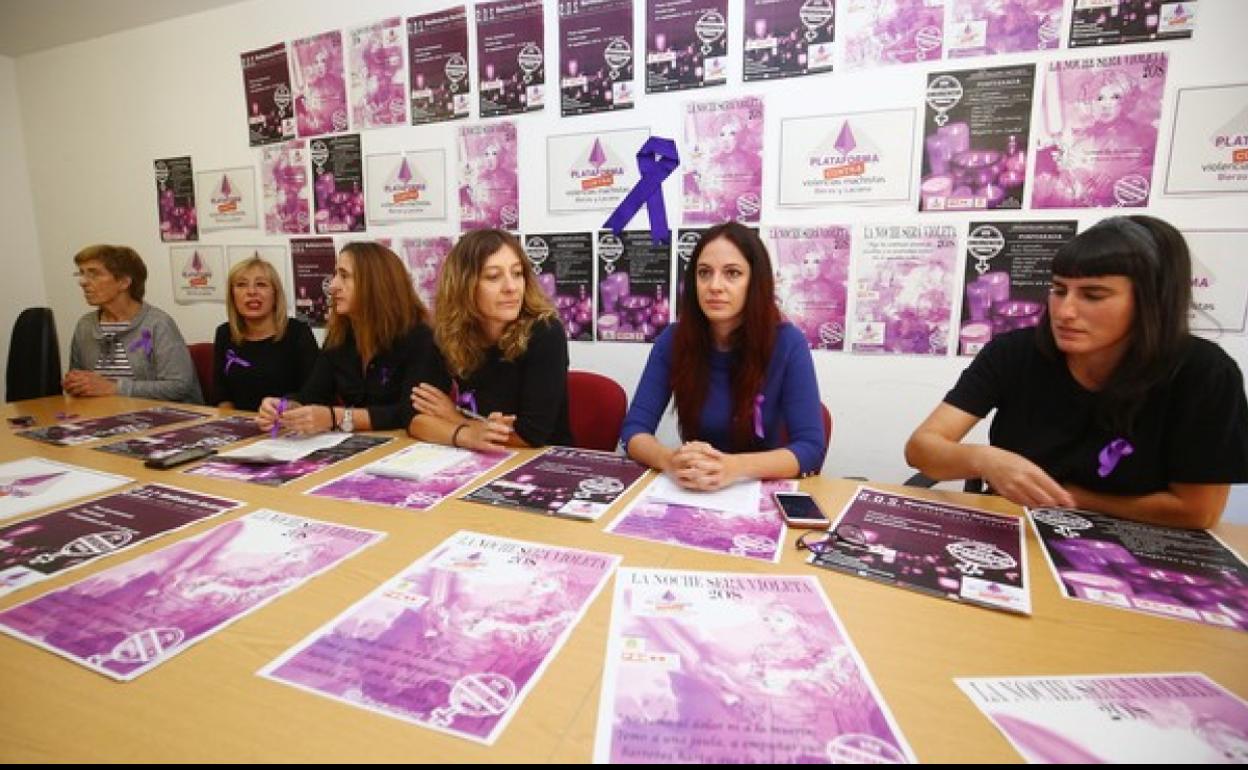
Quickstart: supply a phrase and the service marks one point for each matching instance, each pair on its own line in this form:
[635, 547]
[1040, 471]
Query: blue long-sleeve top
[790, 398]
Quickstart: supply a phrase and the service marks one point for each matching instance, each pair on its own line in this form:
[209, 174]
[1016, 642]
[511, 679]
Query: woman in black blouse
[503, 353]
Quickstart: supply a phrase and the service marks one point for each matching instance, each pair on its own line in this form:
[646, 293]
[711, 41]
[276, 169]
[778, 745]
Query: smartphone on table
[800, 511]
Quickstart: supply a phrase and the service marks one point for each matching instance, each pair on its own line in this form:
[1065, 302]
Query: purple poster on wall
[381, 483]
[1106, 22]
[713, 667]
[457, 640]
[1009, 270]
[284, 180]
[634, 283]
[687, 239]
[812, 273]
[723, 161]
[175, 200]
[1098, 131]
[975, 139]
[489, 184]
[437, 54]
[320, 84]
[206, 435]
[127, 620]
[686, 44]
[511, 67]
[424, 257]
[596, 56]
[563, 481]
[270, 103]
[84, 431]
[378, 88]
[564, 263]
[787, 38]
[904, 279]
[338, 174]
[312, 263]
[277, 474]
[945, 550]
[877, 33]
[1184, 574]
[35, 549]
[988, 27]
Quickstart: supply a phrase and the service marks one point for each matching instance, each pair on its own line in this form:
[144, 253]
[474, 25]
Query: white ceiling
[27, 26]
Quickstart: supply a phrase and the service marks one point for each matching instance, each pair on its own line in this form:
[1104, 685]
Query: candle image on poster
[270, 103]
[564, 263]
[406, 186]
[876, 33]
[511, 66]
[424, 257]
[864, 157]
[338, 171]
[226, 198]
[975, 139]
[1098, 131]
[633, 285]
[988, 27]
[175, 199]
[312, 261]
[198, 273]
[1009, 270]
[320, 84]
[592, 171]
[686, 44]
[1209, 143]
[489, 185]
[812, 273]
[1097, 22]
[723, 161]
[788, 38]
[284, 180]
[437, 51]
[596, 56]
[378, 90]
[904, 284]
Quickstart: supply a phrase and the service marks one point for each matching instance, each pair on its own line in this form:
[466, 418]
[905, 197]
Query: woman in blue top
[743, 380]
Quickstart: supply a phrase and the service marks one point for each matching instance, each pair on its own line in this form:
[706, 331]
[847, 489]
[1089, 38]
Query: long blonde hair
[384, 305]
[279, 298]
[458, 328]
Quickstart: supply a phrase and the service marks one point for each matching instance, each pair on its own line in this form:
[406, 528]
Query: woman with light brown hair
[377, 341]
[502, 353]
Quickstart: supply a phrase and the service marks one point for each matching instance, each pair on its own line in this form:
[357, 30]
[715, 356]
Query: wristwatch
[348, 422]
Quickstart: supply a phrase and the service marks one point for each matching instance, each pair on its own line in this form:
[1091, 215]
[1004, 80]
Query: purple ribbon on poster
[758, 414]
[656, 160]
[1112, 454]
[232, 358]
[144, 343]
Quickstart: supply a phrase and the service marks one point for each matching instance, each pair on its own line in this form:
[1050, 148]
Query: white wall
[22, 261]
[98, 113]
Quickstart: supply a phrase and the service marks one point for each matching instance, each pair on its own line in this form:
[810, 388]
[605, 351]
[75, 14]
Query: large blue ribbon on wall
[656, 160]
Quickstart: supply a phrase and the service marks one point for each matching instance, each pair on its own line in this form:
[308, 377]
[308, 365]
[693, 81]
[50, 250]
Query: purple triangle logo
[197, 263]
[845, 140]
[226, 187]
[597, 155]
[405, 172]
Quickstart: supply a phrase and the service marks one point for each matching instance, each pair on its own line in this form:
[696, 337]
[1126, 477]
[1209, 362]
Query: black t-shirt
[534, 387]
[245, 373]
[339, 377]
[1192, 428]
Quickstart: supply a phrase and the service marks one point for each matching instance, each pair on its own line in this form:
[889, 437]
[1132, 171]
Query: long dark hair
[1153, 254]
[752, 342]
[385, 305]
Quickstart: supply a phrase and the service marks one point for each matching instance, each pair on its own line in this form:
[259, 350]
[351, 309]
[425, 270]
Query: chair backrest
[34, 365]
[596, 408]
[201, 356]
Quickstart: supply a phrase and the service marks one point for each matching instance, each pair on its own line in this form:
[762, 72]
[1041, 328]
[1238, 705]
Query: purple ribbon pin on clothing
[232, 358]
[1112, 454]
[656, 160]
[758, 414]
[144, 343]
[467, 400]
[385, 376]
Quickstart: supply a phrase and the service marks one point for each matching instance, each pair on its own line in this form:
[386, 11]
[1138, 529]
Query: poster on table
[34, 483]
[279, 474]
[564, 264]
[990, 27]
[904, 284]
[226, 198]
[596, 56]
[1009, 271]
[863, 157]
[457, 640]
[788, 38]
[337, 184]
[175, 200]
[319, 77]
[85, 431]
[286, 188]
[812, 274]
[592, 171]
[1102, 22]
[1097, 133]
[563, 481]
[511, 64]
[198, 273]
[415, 479]
[1209, 143]
[378, 79]
[423, 258]
[1219, 285]
[312, 263]
[714, 667]
[406, 186]
[205, 435]
[489, 177]
[722, 159]
[686, 44]
[270, 100]
[437, 61]
[634, 283]
[879, 33]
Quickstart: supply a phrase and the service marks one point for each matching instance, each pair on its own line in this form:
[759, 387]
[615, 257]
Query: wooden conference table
[208, 704]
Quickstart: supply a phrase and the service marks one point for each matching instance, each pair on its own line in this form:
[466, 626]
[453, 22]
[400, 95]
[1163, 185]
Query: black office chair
[975, 486]
[34, 368]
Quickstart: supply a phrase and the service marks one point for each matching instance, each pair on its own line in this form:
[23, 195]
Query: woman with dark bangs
[1108, 405]
[741, 377]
